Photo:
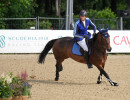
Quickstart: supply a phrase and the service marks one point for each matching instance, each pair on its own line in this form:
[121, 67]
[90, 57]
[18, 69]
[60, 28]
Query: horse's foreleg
[107, 76]
[58, 69]
[99, 80]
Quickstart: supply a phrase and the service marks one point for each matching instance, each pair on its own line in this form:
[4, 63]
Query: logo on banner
[120, 40]
[2, 41]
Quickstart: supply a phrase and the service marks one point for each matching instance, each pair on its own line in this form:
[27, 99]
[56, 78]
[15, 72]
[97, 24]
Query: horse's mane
[95, 37]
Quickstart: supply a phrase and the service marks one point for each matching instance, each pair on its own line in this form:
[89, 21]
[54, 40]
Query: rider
[80, 32]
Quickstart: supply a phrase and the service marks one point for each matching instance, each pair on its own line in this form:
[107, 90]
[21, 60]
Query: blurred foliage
[31, 24]
[47, 8]
[2, 24]
[104, 14]
[45, 24]
[103, 18]
[16, 8]
[126, 23]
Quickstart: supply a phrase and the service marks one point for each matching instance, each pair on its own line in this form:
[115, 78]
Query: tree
[128, 4]
[39, 5]
[57, 8]
[20, 8]
[3, 8]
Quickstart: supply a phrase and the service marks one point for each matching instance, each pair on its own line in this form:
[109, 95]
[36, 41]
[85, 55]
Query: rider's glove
[85, 36]
[94, 34]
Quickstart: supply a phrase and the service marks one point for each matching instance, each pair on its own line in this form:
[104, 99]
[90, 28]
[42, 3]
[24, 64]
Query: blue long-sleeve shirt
[80, 30]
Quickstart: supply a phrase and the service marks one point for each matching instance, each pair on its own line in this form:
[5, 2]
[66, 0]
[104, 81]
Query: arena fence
[18, 23]
[51, 23]
[114, 24]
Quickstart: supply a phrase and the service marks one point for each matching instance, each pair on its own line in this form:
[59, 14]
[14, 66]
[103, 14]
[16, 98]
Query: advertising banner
[34, 41]
[120, 41]
[27, 41]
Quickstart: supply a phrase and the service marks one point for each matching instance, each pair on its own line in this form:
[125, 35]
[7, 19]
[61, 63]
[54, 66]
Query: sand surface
[77, 82]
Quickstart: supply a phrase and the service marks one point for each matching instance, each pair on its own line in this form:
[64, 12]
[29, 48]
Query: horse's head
[104, 38]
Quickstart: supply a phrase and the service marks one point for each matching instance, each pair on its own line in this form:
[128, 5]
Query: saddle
[77, 50]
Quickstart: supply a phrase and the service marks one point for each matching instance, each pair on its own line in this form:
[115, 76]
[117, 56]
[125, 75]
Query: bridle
[106, 37]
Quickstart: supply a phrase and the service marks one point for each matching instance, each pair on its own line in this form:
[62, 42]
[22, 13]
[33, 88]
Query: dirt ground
[77, 82]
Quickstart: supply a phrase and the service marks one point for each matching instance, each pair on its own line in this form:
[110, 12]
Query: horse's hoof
[99, 82]
[56, 79]
[115, 84]
[61, 69]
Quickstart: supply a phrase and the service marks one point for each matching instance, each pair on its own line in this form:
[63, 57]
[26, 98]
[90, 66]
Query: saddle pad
[76, 49]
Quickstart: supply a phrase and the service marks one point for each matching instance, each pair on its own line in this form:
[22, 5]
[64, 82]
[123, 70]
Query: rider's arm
[92, 25]
[76, 31]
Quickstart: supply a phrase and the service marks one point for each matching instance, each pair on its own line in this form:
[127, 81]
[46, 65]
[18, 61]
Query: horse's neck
[99, 47]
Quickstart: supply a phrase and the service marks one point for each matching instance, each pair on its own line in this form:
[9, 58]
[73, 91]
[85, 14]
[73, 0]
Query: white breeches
[83, 44]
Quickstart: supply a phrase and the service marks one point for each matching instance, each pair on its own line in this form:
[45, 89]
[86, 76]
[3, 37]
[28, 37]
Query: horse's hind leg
[58, 69]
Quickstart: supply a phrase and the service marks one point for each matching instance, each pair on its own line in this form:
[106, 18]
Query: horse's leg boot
[86, 56]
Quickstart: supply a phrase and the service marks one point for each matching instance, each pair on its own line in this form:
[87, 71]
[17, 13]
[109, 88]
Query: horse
[62, 49]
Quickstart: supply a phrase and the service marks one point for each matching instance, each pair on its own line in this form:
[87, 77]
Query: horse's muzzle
[109, 49]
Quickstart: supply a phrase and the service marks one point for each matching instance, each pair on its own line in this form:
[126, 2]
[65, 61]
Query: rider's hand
[85, 36]
[94, 34]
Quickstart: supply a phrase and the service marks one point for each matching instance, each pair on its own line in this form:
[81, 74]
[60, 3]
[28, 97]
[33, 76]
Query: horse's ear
[99, 29]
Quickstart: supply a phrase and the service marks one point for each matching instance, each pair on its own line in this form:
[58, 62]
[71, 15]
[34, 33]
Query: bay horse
[62, 49]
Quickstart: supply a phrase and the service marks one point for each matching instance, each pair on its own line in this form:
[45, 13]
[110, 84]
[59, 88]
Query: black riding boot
[86, 56]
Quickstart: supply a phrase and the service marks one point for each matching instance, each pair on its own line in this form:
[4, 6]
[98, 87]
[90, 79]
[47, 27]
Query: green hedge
[103, 14]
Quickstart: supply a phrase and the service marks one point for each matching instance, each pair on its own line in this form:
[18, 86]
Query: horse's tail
[47, 48]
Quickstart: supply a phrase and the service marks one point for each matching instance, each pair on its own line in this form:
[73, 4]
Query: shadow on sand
[59, 82]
